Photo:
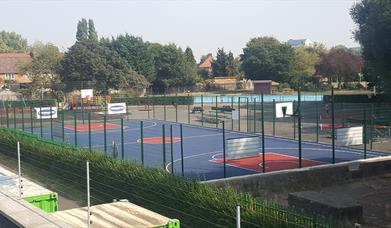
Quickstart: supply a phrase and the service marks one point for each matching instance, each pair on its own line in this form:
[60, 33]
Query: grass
[62, 168]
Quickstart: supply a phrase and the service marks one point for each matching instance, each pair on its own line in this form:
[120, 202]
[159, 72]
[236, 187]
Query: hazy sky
[202, 25]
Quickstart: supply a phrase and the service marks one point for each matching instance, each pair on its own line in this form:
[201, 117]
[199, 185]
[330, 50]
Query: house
[206, 63]
[226, 83]
[295, 43]
[264, 86]
[10, 69]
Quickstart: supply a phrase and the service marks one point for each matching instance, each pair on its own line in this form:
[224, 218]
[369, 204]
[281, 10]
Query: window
[9, 76]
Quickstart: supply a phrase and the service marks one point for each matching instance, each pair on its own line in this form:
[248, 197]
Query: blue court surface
[202, 149]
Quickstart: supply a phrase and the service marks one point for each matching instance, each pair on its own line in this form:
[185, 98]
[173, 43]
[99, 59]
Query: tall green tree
[11, 42]
[373, 18]
[220, 65]
[82, 30]
[135, 51]
[44, 68]
[190, 56]
[92, 34]
[304, 66]
[266, 58]
[233, 66]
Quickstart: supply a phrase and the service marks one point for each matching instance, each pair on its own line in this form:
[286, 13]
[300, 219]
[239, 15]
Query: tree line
[128, 62]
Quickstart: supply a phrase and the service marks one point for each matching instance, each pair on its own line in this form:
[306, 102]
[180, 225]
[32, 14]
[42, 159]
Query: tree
[172, 68]
[189, 56]
[92, 34]
[82, 30]
[44, 67]
[304, 65]
[10, 42]
[373, 18]
[340, 65]
[266, 58]
[220, 65]
[233, 67]
[135, 51]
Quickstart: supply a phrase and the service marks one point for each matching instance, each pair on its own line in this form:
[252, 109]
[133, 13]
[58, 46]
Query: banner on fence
[46, 112]
[116, 108]
[235, 114]
[284, 109]
[87, 93]
[350, 136]
[242, 147]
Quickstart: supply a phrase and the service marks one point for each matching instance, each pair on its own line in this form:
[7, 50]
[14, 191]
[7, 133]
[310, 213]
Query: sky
[202, 25]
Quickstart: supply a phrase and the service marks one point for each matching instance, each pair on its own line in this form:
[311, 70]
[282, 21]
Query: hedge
[358, 98]
[29, 103]
[158, 100]
[62, 168]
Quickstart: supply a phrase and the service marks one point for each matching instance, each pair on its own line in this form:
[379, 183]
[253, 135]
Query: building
[264, 86]
[10, 68]
[295, 43]
[206, 63]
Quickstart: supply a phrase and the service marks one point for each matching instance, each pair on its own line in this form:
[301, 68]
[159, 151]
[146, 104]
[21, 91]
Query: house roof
[10, 62]
[207, 63]
[225, 80]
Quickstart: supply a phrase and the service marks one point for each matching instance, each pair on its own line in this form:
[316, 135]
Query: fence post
[153, 109]
[63, 124]
[217, 123]
[31, 120]
[263, 135]
[7, 116]
[88, 195]
[105, 132]
[19, 172]
[188, 111]
[182, 162]
[51, 123]
[332, 123]
[317, 118]
[172, 151]
[239, 113]
[40, 120]
[202, 110]
[238, 216]
[254, 115]
[365, 134]
[75, 126]
[22, 117]
[142, 141]
[164, 145]
[299, 123]
[122, 139]
[164, 107]
[224, 154]
[274, 117]
[232, 106]
[89, 131]
[247, 114]
[372, 128]
[14, 117]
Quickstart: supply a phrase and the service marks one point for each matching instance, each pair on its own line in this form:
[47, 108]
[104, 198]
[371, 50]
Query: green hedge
[62, 168]
[358, 98]
[29, 103]
[158, 100]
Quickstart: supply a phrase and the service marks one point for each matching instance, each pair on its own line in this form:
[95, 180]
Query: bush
[358, 98]
[30, 103]
[158, 100]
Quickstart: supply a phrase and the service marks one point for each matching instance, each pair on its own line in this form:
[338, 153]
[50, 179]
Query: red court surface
[94, 127]
[274, 162]
[159, 140]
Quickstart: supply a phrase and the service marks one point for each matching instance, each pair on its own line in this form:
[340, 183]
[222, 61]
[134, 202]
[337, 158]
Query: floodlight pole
[332, 123]
[224, 153]
[88, 195]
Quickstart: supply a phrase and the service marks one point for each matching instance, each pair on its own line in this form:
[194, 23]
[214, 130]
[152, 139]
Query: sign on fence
[116, 108]
[242, 147]
[235, 114]
[87, 93]
[46, 112]
[284, 109]
[350, 136]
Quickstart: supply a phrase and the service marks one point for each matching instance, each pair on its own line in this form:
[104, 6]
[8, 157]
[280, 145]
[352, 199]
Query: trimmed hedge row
[158, 100]
[62, 167]
[358, 98]
[29, 103]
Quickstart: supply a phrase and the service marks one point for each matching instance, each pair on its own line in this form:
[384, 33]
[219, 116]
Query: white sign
[280, 107]
[242, 147]
[46, 112]
[87, 93]
[349, 136]
[116, 108]
[235, 114]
